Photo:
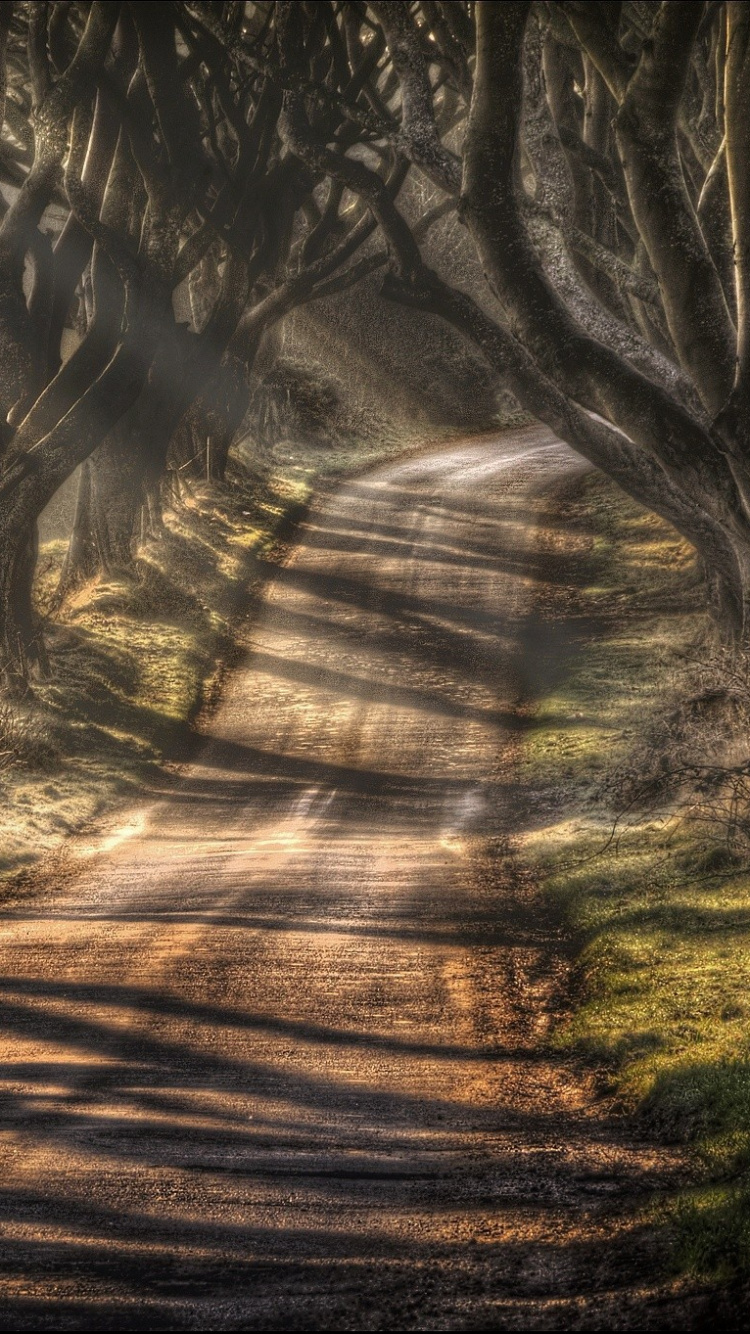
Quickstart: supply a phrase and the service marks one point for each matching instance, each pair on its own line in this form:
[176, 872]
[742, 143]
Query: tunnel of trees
[178, 177]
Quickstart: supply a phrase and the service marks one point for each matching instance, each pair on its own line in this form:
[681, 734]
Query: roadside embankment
[642, 841]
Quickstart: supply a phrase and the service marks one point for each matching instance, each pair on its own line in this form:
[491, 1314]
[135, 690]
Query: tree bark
[81, 560]
[22, 650]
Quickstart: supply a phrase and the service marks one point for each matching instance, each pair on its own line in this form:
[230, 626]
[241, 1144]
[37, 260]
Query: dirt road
[272, 1054]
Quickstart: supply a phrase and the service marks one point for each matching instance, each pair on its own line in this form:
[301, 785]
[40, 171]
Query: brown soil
[274, 1048]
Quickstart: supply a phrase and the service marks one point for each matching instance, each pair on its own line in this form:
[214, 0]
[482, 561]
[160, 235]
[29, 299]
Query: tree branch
[418, 136]
[737, 101]
[694, 304]
[600, 380]
[597, 38]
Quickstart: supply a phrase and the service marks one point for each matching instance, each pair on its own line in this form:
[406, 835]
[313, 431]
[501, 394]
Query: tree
[153, 129]
[179, 176]
[603, 182]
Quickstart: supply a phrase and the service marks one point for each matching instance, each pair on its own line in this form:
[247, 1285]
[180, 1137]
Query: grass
[661, 911]
[136, 660]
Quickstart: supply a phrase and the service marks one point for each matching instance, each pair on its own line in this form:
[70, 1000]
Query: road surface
[273, 1051]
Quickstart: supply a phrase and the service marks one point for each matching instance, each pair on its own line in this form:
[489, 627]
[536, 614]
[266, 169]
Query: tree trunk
[110, 497]
[22, 651]
[117, 498]
[81, 561]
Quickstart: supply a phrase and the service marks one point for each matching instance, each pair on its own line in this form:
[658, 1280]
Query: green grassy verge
[661, 912]
[135, 661]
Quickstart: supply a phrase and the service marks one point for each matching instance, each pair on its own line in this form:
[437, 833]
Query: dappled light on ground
[276, 1058]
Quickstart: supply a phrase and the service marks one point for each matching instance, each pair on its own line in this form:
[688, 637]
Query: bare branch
[41, 78]
[418, 137]
[590, 27]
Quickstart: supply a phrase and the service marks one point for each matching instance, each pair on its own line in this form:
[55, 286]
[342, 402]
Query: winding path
[271, 1056]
